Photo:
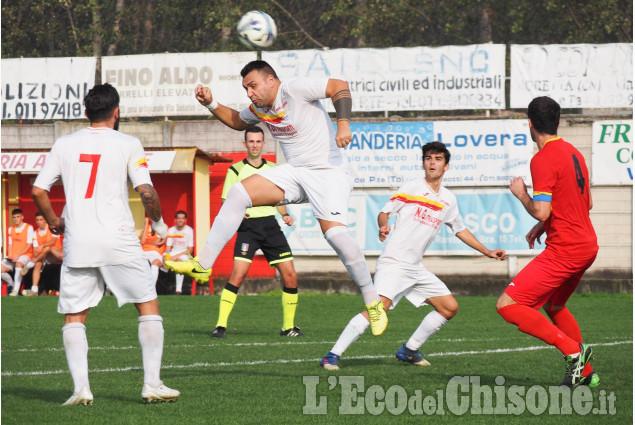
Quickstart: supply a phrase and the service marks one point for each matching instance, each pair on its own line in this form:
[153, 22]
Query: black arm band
[343, 104]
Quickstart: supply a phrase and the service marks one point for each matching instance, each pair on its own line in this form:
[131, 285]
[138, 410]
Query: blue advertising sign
[495, 217]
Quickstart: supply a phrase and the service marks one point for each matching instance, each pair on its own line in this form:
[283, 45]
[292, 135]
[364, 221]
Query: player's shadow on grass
[31, 393]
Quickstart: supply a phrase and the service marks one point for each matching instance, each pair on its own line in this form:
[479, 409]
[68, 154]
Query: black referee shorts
[262, 233]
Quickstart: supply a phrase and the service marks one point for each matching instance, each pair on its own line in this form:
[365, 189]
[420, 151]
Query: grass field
[256, 376]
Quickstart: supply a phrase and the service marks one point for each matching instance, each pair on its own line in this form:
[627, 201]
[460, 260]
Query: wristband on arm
[212, 106]
[343, 104]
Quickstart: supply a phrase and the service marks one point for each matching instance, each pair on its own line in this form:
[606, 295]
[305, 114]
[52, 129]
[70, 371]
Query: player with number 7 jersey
[101, 246]
[94, 164]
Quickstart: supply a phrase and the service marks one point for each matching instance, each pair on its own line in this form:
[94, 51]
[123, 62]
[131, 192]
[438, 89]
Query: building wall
[612, 213]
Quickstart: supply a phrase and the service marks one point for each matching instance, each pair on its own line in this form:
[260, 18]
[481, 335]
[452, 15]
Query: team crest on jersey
[244, 248]
[141, 163]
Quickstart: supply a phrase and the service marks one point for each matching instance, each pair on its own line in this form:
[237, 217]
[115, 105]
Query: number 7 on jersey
[94, 158]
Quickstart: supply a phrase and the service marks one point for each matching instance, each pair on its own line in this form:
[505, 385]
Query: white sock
[151, 340]
[225, 224]
[355, 328]
[76, 347]
[18, 279]
[7, 278]
[35, 289]
[429, 325]
[155, 272]
[351, 255]
[179, 282]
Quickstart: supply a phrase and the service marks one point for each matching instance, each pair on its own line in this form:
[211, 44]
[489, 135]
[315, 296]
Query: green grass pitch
[256, 376]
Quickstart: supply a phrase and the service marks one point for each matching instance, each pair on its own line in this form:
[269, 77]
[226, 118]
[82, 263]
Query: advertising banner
[484, 153]
[46, 88]
[495, 217]
[163, 84]
[405, 79]
[575, 75]
[612, 153]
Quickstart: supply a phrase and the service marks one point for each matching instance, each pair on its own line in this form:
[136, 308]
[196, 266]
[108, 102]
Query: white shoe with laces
[81, 398]
[159, 394]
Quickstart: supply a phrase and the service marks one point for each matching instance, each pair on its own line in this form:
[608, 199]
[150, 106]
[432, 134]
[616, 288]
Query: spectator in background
[47, 249]
[19, 249]
[180, 244]
[153, 248]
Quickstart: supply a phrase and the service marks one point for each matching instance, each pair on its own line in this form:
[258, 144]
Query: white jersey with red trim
[95, 164]
[179, 240]
[420, 214]
[299, 122]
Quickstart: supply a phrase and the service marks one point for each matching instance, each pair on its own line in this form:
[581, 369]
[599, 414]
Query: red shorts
[548, 279]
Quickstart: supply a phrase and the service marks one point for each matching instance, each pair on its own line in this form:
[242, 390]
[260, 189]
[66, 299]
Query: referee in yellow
[259, 230]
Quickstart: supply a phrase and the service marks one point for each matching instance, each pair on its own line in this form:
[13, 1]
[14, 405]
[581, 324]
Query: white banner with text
[612, 153]
[163, 84]
[46, 88]
[575, 75]
[405, 78]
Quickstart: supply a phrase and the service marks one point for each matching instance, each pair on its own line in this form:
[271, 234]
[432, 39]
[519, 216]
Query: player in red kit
[561, 202]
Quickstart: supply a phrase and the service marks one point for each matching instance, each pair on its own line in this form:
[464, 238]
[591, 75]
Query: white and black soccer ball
[257, 30]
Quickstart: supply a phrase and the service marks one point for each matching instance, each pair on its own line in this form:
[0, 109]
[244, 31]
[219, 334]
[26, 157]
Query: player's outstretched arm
[228, 116]
[470, 240]
[43, 203]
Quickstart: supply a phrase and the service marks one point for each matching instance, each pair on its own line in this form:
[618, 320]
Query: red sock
[565, 321]
[531, 322]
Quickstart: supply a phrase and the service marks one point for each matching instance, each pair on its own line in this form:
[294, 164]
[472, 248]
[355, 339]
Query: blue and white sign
[484, 153]
[495, 217]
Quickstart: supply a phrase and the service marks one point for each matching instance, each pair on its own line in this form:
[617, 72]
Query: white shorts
[83, 287]
[153, 255]
[327, 190]
[24, 259]
[417, 284]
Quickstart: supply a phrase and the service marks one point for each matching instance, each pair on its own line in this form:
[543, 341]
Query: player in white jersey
[316, 170]
[180, 244]
[422, 206]
[101, 246]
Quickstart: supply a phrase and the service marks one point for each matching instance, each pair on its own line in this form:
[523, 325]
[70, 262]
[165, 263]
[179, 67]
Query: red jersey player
[561, 202]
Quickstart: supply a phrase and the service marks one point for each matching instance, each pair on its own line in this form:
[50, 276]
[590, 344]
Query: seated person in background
[47, 249]
[153, 248]
[180, 244]
[19, 249]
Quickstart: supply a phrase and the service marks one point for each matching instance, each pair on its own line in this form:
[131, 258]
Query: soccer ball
[256, 29]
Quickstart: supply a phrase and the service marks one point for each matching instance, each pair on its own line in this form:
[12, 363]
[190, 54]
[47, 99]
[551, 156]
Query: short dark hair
[254, 129]
[180, 212]
[544, 113]
[39, 214]
[16, 211]
[436, 147]
[100, 102]
[259, 65]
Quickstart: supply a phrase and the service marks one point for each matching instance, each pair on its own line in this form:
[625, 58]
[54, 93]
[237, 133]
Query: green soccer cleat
[575, 365]
[592, 380]
[190, 268]
[377, 317]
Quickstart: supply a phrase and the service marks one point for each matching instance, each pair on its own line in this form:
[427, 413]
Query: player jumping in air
[316, 171]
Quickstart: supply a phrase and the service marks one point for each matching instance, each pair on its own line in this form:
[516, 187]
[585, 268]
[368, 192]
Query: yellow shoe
[378, 318]
[190, 268]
